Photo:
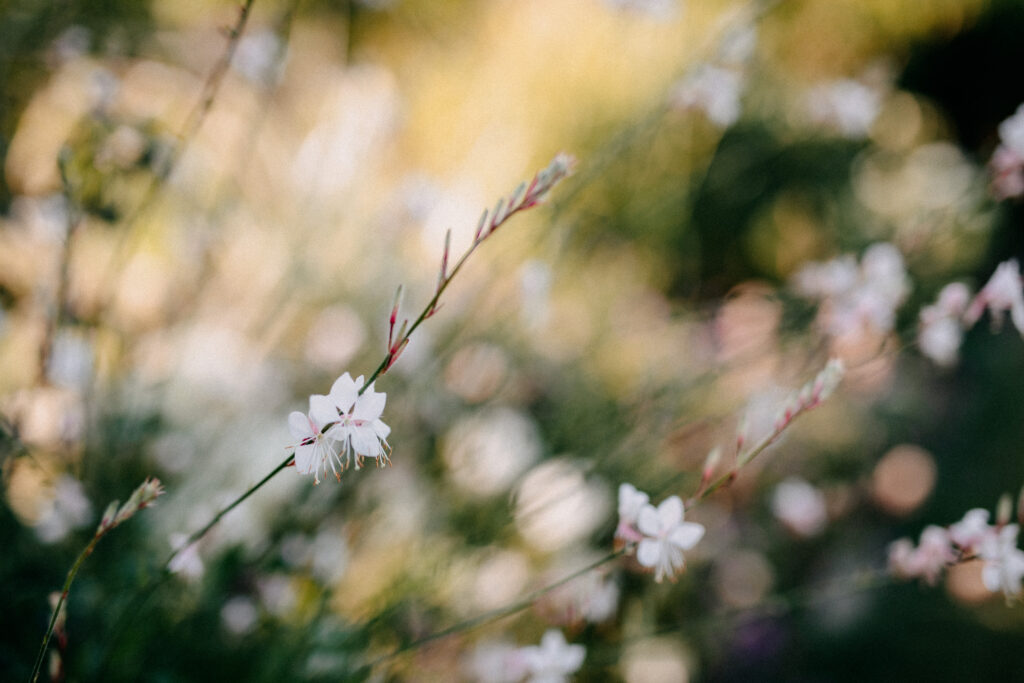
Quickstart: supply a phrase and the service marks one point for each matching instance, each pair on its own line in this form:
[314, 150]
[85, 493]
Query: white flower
[358, 426]
[666, 537]
[800, 507]
[553, 660]
[315, 450]
[1004, 562]
[1003, 292]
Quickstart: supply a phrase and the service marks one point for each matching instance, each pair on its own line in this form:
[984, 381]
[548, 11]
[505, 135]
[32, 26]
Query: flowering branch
[524, 197]
[141, 498]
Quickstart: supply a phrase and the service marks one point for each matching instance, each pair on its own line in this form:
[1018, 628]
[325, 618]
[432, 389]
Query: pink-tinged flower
[666, 537]
[358, 427]
[1007, 173]
[1004, 562]
[972, 530]
[1003, 292]
[631, 501]
[315, 450]
[800, 507]
[554, 660]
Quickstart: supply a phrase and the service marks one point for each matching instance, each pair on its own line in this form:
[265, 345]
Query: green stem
[60, 603]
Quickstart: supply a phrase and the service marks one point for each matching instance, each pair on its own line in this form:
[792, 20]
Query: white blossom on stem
[1007, 161]
[969, 533]
[358, 427]
[554, 660]
[666, 536]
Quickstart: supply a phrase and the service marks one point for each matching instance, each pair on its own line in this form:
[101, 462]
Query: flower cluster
[857, 299]
[972, 537]
[1008, 160]
[660, 533]
[344, 423]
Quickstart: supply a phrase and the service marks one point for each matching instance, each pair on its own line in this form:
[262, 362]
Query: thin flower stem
[60, 603]
[495, 614]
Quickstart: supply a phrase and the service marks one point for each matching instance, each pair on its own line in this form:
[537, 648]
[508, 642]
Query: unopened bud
[711, 462]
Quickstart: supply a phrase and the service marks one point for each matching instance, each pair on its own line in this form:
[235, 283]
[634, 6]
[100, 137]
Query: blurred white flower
[1003, 292]
[187, 562]
[857, 300]
[486, 452]
[932, 555]
[553, 660]
[69, 510]
[940, 329]
[667, 535]
[1004, 561]
[847, 105]
[496, 662]
[800, 507]
[713, 90]
[970, 531]
[239, 615]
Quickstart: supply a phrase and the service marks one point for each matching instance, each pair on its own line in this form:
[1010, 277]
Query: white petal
[322, 409]
[369, 406]
[686, 535]
[572, 658]
[648, 552]
[648, 521]
[364, 442]
[381, 429]
[304, 461]
[992, 577]
[670, 512]
[298, 425]
[344, 392]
